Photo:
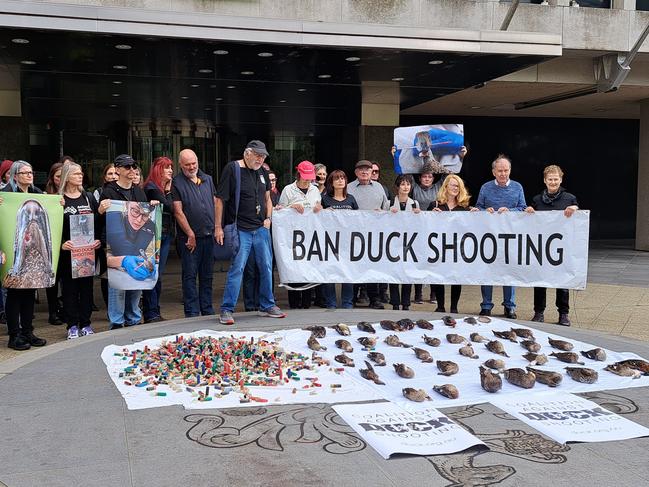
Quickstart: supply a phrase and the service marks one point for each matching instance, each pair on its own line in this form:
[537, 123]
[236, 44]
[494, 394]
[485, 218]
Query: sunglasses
[375, 171]
[130, 167]
[273, 180]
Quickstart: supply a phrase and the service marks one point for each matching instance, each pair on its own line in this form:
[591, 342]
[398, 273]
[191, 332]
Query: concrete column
[379, 116]
[623, 4]
[642, 212]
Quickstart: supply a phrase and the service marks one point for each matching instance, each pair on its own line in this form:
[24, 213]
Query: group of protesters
[196, 214]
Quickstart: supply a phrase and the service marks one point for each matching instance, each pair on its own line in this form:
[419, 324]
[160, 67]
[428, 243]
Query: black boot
[17, 342]
[33, 340]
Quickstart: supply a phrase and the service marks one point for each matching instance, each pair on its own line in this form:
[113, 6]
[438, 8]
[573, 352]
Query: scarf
[548, 198]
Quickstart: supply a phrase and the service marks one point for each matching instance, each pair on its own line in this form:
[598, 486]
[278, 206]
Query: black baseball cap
[123, 160]
[258, 146]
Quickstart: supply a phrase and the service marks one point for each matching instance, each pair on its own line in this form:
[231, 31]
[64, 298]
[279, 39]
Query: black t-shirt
[348, 203]
[252, 200]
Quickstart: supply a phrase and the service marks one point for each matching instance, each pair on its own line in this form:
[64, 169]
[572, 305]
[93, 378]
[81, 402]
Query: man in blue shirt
[499, 196]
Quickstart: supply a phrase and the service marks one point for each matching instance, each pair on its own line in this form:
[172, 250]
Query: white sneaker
[73, 332]
[87, 330]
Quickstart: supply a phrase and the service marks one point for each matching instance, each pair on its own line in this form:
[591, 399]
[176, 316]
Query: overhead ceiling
[75, 76]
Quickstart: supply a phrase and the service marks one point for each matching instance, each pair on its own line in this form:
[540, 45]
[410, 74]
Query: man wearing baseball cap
[253, 219]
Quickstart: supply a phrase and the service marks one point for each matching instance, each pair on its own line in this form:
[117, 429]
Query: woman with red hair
[158, 187]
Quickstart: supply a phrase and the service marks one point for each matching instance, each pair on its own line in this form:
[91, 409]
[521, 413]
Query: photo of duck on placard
[133, 243]
[32, 263]
[440, 146]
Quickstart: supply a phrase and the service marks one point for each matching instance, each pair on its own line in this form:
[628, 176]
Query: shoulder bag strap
[237, 177]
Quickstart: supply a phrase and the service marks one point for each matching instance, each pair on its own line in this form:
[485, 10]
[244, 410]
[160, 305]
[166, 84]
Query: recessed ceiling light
[205, 71]
[116, 94]
[28, 62]
[119, 66]
[177, 108]
[207, 108]
[476, 107]
[230, 87]
[352, 59]
[112, 106]
[247, 73]
[282, 101]
[117, 82]
[324, 76]
[212, 86]
[123, 47]
[18, 40]
[194, 85]
[219, 99]
[221, 52]
[184, 97]
[301, 90]
[266, 111]
[436, 61]
[397, 79]
[265, 54]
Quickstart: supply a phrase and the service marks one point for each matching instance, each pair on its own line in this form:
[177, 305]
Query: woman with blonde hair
[452, 196]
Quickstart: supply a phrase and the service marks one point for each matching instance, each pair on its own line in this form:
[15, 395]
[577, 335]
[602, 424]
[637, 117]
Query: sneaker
[439, 309]
[485, 312]
[115, 326]
[538, 317]
[510, 313]
[54, 320]
[18, 343]
[405, 308]
[225, 318]
[87, 330]
[563, 319]
[376, 305]
[418, 300]
[73, 332]
[155, 319]
[3, 318]
[33, 340]
[432, 301]
[273, 312]
[454, 311]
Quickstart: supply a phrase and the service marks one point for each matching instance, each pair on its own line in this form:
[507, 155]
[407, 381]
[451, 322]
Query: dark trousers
[151, 297]
[251, 284]
[419, 292]
[438, 289]
[52, 294]
[197, 265]
[299, 299]
[77, 299]
[402, 298]
[20, 310]
[562, 300]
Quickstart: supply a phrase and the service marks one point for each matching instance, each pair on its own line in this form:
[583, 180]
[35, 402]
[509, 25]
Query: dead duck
[470, 320]
[484, 319]
[582, 374]
[447, 390]
[405, 324]
[365, 327]
[432, 341]
[345, 360]
[393, 341]
[547, 377]
[531, 346]
[368, 342]
[598, 354]
[342, 329]
[467, 351]
[567, 357]
[478, 338]
[520, 378]
[536, 358]
[388, 325]
[524, 333]
[623, 370]
[425, 325]
[506, 335]
[370, 374]
[446, 367]
[637, 364]
[317, 331]
[495, 363]
[404, 371]
[416, 395]
[344, 345]
[423, 355]
[496, 347]
[560, 345]
[314, 344]
[455, 339]
[377, 357]
[449, 321]
[490, 381]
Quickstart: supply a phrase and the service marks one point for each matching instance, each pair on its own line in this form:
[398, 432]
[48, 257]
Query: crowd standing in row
[195, 212]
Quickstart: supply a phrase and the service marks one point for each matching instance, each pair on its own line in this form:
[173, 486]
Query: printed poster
[569, 418]
[390, 429]
[82, 234]
[438, 145]
[132, 244]
[30, 238]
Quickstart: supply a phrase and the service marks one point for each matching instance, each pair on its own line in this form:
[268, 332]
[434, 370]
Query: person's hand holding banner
[136, 267]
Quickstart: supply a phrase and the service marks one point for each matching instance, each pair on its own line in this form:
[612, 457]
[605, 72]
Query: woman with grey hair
[20, 302]
[77, 293]
[320, 176]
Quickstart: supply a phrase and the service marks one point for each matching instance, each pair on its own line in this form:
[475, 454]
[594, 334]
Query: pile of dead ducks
[491, 371]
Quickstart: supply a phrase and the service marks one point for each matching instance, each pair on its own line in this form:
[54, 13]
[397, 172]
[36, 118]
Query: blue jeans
[346, 295]
[259, 241]
[124, 307]
[151, 298]
[198, 263]
[509, 297]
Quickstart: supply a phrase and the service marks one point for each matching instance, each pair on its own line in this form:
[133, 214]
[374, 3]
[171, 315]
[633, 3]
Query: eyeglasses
[25, 173]
[273, 180]
[130, 167]
[136, 213]
[375, 171]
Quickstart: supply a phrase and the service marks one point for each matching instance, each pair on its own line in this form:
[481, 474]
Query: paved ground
[64, 423]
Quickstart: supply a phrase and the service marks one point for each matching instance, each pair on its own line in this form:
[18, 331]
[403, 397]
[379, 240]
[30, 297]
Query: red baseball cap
[306, 170]
[4, 167]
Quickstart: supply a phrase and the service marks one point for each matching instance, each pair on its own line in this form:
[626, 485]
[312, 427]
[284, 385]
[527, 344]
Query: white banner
[565, 417]
[389, 429]
[544, 249]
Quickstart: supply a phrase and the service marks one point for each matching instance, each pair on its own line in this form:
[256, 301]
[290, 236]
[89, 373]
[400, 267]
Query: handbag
[230, 245]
